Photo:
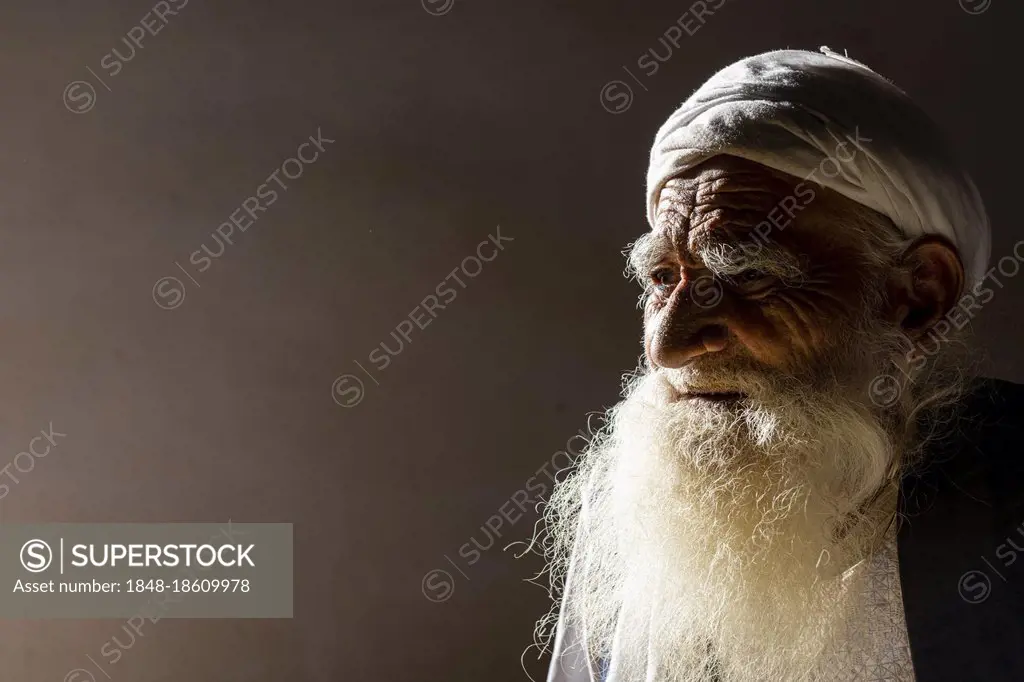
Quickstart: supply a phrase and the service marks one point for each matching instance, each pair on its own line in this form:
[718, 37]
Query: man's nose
[686, 328]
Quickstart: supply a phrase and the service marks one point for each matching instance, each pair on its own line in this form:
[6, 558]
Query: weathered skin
[783, 321]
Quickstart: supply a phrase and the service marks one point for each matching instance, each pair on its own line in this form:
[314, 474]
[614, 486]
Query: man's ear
[925, 285]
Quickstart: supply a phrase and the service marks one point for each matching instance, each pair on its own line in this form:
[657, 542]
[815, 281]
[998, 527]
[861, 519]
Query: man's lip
[714, 396]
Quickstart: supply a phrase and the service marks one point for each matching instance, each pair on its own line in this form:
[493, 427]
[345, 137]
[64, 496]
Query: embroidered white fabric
[879, 650]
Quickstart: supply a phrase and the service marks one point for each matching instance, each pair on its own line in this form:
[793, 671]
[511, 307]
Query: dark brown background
[445, 127]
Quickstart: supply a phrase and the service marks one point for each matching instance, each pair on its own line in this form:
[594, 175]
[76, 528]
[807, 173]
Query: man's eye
[664, 279]
[747, 277]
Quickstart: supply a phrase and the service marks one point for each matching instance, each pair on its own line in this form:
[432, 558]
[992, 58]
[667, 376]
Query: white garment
[830, 119]
[878, 651]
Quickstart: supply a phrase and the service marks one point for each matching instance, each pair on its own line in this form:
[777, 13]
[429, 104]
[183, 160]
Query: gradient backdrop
[448, 119]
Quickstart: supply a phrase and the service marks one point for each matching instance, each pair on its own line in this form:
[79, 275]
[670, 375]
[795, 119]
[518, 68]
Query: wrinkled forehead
[726, 202]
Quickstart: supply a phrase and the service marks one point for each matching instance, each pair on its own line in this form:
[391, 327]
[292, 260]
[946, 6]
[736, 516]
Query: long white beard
[708, 541]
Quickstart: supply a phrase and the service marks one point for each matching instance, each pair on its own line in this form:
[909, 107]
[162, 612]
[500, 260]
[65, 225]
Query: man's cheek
[651, 328]
[782, 339]
[647, 348]
[651, 308]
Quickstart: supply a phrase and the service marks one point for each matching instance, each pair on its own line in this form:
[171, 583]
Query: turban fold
[830, 119]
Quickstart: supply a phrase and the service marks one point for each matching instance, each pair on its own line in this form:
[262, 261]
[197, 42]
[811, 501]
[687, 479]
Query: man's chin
[725, 401]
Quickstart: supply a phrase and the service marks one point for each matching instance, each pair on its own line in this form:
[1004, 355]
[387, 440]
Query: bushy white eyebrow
[650, 250]
[771, 259]
[645, 254]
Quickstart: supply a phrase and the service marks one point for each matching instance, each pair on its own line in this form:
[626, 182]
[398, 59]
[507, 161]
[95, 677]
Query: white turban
[830, 119]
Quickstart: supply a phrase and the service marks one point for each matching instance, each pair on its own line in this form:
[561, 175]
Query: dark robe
[961, 544]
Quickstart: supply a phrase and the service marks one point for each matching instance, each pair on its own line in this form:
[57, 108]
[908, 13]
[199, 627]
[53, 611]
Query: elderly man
[806, 480]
